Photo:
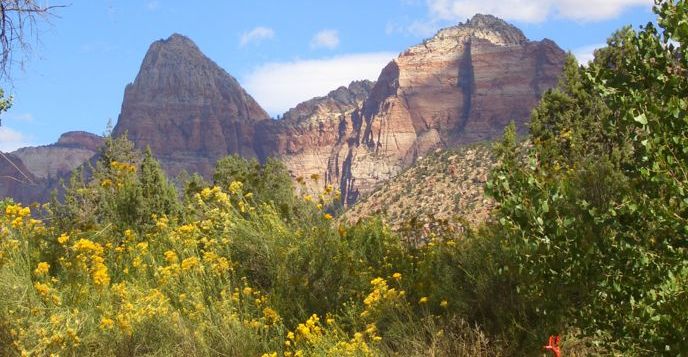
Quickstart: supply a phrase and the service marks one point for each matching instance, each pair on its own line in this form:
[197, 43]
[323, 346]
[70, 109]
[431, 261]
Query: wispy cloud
[25, 117]
[586, 54]
[325, 39]
[152, 5]
[273, 85]
[533, 10]
[11, 140]
[257, 35]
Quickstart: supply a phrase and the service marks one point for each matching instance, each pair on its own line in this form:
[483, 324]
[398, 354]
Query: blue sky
[282, 52]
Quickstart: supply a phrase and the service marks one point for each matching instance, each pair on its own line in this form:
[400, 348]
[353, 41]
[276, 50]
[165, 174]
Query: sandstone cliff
[29, 174]
[310, 137]
[59, 159]
[187, 109]
[459, 87]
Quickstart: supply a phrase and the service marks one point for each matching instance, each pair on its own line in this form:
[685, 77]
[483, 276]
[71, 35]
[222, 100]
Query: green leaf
[642, 119]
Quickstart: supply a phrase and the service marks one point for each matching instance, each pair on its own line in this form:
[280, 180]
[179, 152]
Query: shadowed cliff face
[187, 109]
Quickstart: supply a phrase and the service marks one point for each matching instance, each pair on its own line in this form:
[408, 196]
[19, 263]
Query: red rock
[187, 109]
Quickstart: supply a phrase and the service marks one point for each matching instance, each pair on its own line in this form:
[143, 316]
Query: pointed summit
[484, 27]
[182, 104]
[175, 71]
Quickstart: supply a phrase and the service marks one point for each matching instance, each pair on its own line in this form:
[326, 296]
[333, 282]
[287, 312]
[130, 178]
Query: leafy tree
[268, 183]
[158, 195]
[121, 189]
[595, 221]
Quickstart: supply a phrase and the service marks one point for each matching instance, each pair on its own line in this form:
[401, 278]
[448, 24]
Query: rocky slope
[187, 109]
[443, 185]
[310, 137]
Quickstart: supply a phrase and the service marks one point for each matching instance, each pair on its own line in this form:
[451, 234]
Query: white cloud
[532, 10]
[282, 85]
[587, 53]
[257, 35]
[25, 117]
[11, 140]
[152, 5]
[325, 38]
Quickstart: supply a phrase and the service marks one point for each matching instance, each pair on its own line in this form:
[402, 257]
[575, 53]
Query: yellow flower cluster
[63, 239]
[16, 214]
[236, 187]
[42, 269]
[381, 296]
[123, 167]
[309, 331]
[90, 258]
[17, 211]
[357, 346]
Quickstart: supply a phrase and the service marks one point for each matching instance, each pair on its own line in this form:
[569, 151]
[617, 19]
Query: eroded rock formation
[187, 109]
[462, 86]
[459, 87]
[29, 174]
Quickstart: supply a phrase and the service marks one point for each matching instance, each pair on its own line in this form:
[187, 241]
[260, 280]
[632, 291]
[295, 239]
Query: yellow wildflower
[190, 263]
[423, 300]
[42, 269]
[327, 216]
[396, 276]
[271, 316]
[444, 304]
[42, 289]
[106, 323]
[171, 257]
[235, 187]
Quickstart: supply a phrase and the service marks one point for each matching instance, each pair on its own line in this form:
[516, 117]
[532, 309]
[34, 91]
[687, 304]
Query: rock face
[310, 136]
[29, 174]
[462, 86]
[187, 109]
[16, 180]
[59, 159]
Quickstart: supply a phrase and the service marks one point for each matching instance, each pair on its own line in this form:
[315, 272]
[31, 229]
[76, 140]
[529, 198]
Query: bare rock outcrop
[59, 159]
[462, 86]
[311, 138]
[30, 174]
[187, 109]
[459, 87]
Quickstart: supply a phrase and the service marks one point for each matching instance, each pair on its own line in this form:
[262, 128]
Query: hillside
[444, 185]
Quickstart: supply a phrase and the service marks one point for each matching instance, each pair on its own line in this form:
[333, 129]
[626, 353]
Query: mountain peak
[182, 104]
[485, 27]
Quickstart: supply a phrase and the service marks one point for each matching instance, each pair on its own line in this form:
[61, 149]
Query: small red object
[553, 346]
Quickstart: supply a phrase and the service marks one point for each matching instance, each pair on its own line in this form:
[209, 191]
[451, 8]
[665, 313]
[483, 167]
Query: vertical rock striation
[462, 86]
[459, 87]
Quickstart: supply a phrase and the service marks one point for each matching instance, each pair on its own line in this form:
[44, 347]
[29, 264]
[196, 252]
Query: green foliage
[268, 183]
[594, 221]
[5, 103]
[122, 189]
